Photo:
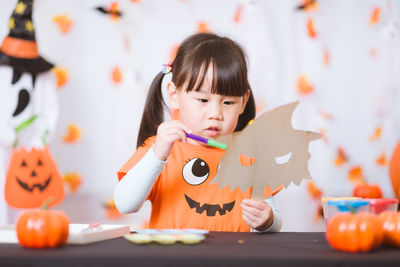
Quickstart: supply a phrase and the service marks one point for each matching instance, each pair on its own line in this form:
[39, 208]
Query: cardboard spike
[313, 136]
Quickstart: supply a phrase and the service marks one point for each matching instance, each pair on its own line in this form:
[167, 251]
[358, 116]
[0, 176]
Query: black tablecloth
[219, 249]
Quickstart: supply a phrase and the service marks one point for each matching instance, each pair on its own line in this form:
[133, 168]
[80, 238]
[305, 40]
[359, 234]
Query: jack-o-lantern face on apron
[195, 172]
[32, 178]
[206, 200]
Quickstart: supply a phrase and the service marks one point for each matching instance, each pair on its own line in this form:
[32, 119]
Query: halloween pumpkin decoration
[268, 152]
[32, 178]
[206, 203]
[367, 191]
[394, 170]
[391, 228]
[42, 228]
[354, 232]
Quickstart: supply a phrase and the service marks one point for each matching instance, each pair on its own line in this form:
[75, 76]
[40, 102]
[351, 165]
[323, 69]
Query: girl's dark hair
[194, 57]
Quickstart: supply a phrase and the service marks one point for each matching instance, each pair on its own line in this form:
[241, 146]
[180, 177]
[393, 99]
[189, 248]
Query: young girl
[211, 94]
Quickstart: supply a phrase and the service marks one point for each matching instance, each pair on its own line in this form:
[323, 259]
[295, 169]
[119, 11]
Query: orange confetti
[313, 190]
[203, 27]
[326, 115]
[311, 29]
[326, 57]
[61, 76]
[116, 75]
[73, 180]
[341, 157]
[135, 1]
[109, 203]
[372, 52]
[355, 175]
[374, 19]
[63, 22]
[303, 86]
[323, 133]
[111, 210]
[381, 160]
[237, 18]
[114, 11]
[309, 5]
[73, 134]
[172, 53]
[246, 161]
[113, 213]
[241, 241]
[376, 135]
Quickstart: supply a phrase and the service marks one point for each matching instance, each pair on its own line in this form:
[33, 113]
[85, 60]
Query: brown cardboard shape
[268, 152]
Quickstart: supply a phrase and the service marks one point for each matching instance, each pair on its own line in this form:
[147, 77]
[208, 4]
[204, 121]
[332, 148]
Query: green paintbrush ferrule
[217, 144]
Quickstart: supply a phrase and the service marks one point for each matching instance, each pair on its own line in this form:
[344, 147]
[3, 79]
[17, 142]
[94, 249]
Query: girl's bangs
[229, 74]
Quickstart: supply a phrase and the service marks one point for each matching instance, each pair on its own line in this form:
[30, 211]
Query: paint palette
[167, 236]
[165, 239]
[172, 231]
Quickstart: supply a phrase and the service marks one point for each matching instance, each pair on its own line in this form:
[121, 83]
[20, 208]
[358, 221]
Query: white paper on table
[78, 233]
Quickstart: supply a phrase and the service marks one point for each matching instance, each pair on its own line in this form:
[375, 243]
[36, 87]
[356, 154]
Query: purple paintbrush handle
[197, 138]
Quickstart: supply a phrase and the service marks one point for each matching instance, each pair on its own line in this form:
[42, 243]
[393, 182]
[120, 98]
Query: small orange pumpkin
[391, 228]
[32, 177]
[42, 228]
[394, 170]
[354, 232]
[367, 191]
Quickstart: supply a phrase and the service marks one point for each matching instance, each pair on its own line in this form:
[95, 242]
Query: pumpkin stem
[46, 203]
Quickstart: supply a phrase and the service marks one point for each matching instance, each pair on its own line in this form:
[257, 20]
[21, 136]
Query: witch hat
[19, 48]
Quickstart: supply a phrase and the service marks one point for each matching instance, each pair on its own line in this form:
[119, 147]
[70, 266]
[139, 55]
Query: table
[219, 249]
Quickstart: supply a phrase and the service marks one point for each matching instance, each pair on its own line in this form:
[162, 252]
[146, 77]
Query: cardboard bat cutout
[268, 152]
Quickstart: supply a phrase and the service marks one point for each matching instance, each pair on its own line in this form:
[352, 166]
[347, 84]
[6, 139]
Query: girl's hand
[167, 133]
[257, 214]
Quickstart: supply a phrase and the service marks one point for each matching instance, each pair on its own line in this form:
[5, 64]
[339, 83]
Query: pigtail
[153, 114]
[248, 114]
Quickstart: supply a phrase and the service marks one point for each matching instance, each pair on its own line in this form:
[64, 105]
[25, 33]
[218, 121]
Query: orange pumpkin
[32, 178]
[391, 228]
[394, 170]
[42, 228]
[354, 232]
[367, 191]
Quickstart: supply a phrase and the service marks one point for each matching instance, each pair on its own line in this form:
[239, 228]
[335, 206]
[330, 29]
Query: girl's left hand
[257, 214]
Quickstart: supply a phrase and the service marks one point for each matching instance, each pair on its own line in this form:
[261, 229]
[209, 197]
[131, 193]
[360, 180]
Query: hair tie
[167, 68]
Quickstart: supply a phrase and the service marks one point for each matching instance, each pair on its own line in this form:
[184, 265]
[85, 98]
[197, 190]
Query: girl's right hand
[167, 133]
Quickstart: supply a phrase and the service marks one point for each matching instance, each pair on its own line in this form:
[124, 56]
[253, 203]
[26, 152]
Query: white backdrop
[359, 87]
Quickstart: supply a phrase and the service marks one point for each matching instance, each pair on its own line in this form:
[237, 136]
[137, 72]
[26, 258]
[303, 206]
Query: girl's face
[206, 114]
